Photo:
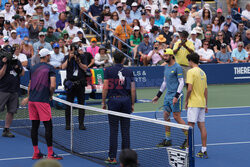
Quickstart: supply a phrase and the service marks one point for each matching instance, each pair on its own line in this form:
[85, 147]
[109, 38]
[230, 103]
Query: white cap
[134, 4]
[123, 18]
[13, 31]
[164, 6]
[5, 38]
[193, 32]
[1, 14]
[175, 5]
[44, 52]
[148, 7]
[54, 7]
[166, 25]
[176, 34]
[136, 28]
[42, 33]
[30, 14]
[206, 6]
[123, 1]
[76, 39]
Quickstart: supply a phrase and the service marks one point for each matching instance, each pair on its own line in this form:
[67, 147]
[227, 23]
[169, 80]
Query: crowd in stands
[148, 26]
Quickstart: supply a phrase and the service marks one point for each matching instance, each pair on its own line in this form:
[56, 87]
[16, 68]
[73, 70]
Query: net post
[191, 147]
[71, 128]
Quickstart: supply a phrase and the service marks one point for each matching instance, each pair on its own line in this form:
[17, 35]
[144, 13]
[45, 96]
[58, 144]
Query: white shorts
[195, 114]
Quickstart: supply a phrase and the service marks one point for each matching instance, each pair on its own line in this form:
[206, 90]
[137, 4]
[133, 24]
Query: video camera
[8, 52]
[75, 46]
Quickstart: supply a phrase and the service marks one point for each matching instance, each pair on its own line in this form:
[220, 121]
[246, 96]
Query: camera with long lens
[75, 46]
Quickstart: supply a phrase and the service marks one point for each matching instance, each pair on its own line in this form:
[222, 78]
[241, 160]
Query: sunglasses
[206, 44]
[208, 34]
[240, 46]
[115, 15]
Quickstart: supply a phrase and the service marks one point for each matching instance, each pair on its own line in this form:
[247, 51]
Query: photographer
[75, 65]
[10, 71]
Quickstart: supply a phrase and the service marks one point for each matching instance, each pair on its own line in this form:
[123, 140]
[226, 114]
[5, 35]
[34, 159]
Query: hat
[93, 40]
[157, 11]
[219, 10]
[164, 7]
[54, 7]
[56, 45]
[175, 5]
[5, 38]
[161, 38]
[154, 28]
[206, 6]
[6, 22]
[193, 32]
[143, 12]
[123, 1]
[168, 52]
[102, 48]
[45, 0]
[198, 30]
[44, 52]
[29, 14]
[136, 28]
[176, 34]
[79, 32]
[146, 35]
[1, 15]
[223, 45]
[123, 18]
[13, 31]
[65, 32]
[134, 4]
[166, 25]
[187, 10]
[194, 6]
[39, 6]
[21, 18]
[180, 1]
[148, 7]
[168, 19]
[76, 39]
[119, 5]
[16, 17]
[106, 6]
[174, 11]
[46, 13]
[41, 33]
[229, 17]
[226, 24]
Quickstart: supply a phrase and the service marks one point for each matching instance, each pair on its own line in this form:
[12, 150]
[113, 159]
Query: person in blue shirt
[135, 13]
[159, 20]
[239, 54]
[57, 57]
[22, 31]
[119, 88]
[174, 82]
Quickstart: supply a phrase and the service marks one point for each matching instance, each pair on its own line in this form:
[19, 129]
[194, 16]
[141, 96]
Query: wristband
[159, 94]
[177, 95]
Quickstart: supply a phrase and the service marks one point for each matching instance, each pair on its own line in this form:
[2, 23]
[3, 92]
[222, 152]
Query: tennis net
[93, 143]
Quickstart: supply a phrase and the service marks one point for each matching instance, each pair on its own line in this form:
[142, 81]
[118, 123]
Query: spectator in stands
[54, 14]
[206, 54]
[21, 57]
[209, 27]
[30, 7]
[164, 12]
[227, 33]
[189, 18]
[5, 42]
[128, 17]
[194, 11]
[135, 13]
[161, 39]
[46, 5]
[61, 23]
[152, 5]
[223, 56]
[148, 11]
[183, 26]
[82, 38]
[95, 11]
[156, 55]
[206, 17]
[246, 40]
[215, 25]
[236, 12]
[137, 23]
[8, 14]
[167, 34]
[192, 3]
[14, 39]
[39, 11]
[197, 42]
[42, 43]
[65, 37]
[151, 24]
[1, 22]
[246, 15]
[181, 7]
[50, 37]
[49, 22]
[220, 40]
[15, 22]
[112, 5]
[176, 37]
[135, 39]
[62, 48]
[124, 5]
[72, 29]
[220, 16]
[22, 31]
[103, 59]
[56, 57]
[197, 23]
[120, 10]
[27, 48]
[144, 48]
[123, 31]
[231, 26]
[105, 15]
[144, 21]
[241, 29]
[234, 41]
[248, 51]
[61, 5]
[14, 5]
[181, 49]
[112, 24]
[208, 37]
[33, 28]
[93, 48]
[20, 11]
[171, 27]
[176, 22]
[41, 26]
[239, 54]
[206, 6]
[154, 33]
[84, 5]
[128, 158]
[159, 20]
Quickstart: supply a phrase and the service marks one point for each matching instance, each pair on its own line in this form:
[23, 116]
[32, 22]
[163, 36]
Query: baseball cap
[134, 4]
[76, 39]
[219, 10]
[29, 14]
[176, 34]
[13, 31]
[93, 40]
[146, 35]
[44, 52]
[193, 32]
[123, 18]
[166, 25]
[54, 7]
[164, 7]
[123, 1]
[39, 6]
[175, 5]
[194, 6]
[187, 10]
[223, 45]
[1, 15]
[41, 33]
[174, 11]
[119, 5]
[168, 19]
[136, 28]
[148, 7]
[226, 24]
[46, 13]
[16, 17]
[56, 45]
[7, 22]
[168, 52]
[79, 32]
[206, 6]
[5, 38]
[157, 11]
[229, 17]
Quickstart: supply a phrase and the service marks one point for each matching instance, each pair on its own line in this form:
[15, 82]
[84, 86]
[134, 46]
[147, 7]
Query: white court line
[137, 149]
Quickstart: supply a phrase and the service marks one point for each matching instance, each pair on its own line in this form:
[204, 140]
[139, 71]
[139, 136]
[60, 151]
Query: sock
[168, 135]
[50, 150]
[203, 149]
[36, 149]
[186, 133]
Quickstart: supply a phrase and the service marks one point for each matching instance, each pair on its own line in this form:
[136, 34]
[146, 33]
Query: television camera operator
[75, 82]
[11, 70]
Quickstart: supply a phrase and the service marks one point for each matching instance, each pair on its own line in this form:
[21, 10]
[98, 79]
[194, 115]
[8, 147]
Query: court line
[137, 149]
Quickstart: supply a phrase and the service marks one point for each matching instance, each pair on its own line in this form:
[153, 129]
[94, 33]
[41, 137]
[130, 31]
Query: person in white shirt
[71, 29]
[165, 11]
[206, 55]
[190, 19]
[103, 59]
[54, 15]
[8, 14]
[14, 39]
[167, 4]
[56, 57]
[246, 13]
[20, 56]
[144, 21]
[196, 41]
[48, 22]
[30, 7]
[120, 10]
[46, 6]
[176, 22]
[7, 28]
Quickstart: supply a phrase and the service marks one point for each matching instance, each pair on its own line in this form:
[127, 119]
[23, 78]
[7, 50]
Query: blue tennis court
[228, 138]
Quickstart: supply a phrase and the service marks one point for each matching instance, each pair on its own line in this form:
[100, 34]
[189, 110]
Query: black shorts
[10, 100]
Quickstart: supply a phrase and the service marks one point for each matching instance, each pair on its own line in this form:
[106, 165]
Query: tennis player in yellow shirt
[196, 100]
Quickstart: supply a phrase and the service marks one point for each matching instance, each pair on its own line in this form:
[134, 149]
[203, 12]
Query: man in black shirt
[167, 34]
[10, 72]
[208, 37]
[75, 65]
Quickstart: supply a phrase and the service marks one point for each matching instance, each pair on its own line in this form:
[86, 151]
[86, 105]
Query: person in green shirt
[135, 39]
[50, 37]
